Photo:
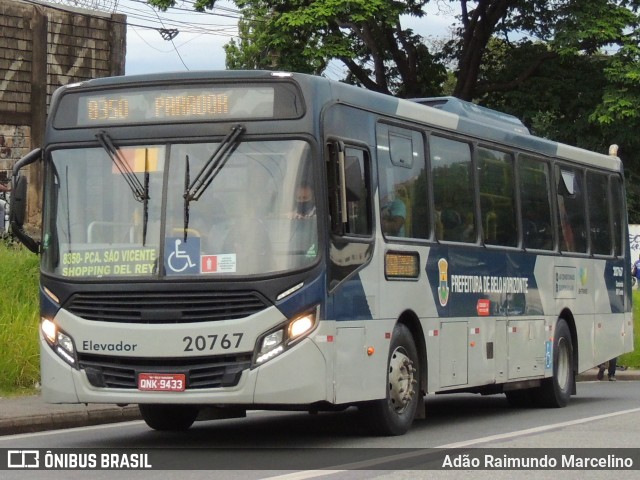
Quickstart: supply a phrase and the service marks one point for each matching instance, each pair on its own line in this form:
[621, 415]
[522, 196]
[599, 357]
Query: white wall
[634, 241]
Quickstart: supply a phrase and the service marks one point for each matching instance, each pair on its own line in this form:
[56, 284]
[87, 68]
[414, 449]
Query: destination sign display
[177, 104]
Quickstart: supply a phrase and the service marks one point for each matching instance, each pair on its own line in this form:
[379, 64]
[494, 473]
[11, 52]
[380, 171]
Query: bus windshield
[127, 211]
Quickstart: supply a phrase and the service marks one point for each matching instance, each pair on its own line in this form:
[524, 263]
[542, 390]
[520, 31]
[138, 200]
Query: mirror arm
[28, 159]
[24, 238]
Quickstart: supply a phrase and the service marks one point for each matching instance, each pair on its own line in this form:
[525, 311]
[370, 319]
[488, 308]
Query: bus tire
[555, 392]
[394, 414]
[168, 418]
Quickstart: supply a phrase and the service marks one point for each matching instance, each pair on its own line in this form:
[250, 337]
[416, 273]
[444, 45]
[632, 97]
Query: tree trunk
[479, 24]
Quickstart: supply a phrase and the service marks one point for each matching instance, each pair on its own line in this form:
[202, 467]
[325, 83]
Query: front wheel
[555, 392]
[394, 414]
[171, 418]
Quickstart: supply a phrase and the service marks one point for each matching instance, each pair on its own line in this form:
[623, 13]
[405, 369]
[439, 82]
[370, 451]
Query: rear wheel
[171, 418]
[394, 414]
[555, 392]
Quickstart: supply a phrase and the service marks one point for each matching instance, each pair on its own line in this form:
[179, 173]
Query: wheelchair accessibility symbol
[180, 256]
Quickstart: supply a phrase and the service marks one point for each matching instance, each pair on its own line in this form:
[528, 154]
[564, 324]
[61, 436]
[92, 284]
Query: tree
[557, 100]
[567, 27]
[256, 49]
[478, 27]
[618, 113]
[378, 54]
[365, 35]
[580, 86]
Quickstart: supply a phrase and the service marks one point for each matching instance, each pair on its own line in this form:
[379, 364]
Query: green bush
[632, 359]
[19, 319]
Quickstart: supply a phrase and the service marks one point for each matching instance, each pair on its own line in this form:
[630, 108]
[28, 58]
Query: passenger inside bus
[305, 206]
[536, 230]
[448, 223]
[394, 214]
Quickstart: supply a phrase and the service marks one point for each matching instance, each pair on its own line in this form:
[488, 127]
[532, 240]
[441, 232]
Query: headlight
[60, 342]
[49, 330]
[301, 326]
[275, 342]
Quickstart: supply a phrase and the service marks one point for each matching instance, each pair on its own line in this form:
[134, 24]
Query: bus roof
[475, 112]
[494, 127]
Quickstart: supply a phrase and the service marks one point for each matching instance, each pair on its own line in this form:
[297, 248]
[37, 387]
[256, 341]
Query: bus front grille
[207, 372]
[165, 307]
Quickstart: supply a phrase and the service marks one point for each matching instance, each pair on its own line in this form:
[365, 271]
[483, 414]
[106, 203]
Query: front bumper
[297, 376]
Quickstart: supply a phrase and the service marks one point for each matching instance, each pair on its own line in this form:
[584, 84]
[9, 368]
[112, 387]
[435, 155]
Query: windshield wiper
[212, 167]
[193, 190]
[140, 191]
[186, 198]
[145, 202]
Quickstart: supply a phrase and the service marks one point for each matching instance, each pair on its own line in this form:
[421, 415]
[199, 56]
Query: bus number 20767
[201, 343]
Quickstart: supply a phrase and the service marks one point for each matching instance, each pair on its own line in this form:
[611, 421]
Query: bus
[224, 241]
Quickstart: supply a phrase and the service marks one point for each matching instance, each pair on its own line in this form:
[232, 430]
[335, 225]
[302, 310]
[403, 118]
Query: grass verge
[19, 361]
[632, 359]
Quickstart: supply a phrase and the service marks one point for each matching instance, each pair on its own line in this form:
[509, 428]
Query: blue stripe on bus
[349, 302]
[302, 300]
[468, 282]
[478, 282]
[48, 308]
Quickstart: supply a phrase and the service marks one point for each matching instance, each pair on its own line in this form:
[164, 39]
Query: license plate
[162, 382]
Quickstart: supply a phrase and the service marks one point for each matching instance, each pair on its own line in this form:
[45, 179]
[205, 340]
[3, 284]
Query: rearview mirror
[18, 201]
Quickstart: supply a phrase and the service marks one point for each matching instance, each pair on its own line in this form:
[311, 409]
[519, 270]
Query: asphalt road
[604, 415]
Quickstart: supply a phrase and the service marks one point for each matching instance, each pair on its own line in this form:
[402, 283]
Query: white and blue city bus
[224, 241]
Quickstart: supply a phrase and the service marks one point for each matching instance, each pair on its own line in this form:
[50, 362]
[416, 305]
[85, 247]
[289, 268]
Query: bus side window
[497, 203]
[351, 230]
[535, 203]
[619, 215]
[402, 182]
[453, 190]
[599, 213]
[356, 220]
[356, 182]
[573, 233]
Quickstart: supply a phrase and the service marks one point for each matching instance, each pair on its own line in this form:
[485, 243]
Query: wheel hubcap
[401, 380]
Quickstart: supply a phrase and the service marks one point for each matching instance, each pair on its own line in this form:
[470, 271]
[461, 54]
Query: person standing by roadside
[611, 367]
[3, 205]
[635, 270]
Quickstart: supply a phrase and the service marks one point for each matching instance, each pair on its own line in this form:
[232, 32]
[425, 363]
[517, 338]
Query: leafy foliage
[366, 36]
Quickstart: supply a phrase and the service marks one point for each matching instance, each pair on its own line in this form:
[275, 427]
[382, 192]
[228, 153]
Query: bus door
[350, 248]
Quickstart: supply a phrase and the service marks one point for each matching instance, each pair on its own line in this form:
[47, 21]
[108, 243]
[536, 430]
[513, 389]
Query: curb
[60, 420]
[624, 375]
